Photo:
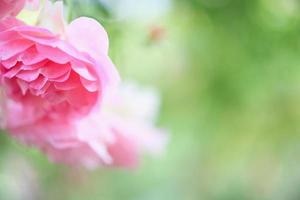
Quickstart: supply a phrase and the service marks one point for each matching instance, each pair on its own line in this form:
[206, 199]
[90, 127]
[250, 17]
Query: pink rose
[13, 7]
[48, 76]
[116, 135]
[56, 94]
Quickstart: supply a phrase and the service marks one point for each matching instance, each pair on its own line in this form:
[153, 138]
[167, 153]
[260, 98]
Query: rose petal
[54, 70]
[11, 73]
[28, 75]
[91, 86]
[14, 47]
[38, 83]
[53, 54]
[87, 35]
[23, 86]
[62, 78]
[11, 62]
[83, 71]
[32, 56]
[70, 84]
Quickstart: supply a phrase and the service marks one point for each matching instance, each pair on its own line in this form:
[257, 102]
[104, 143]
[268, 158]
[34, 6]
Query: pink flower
[52, 77]
[57, 94]
[13, 7]
[113, 136]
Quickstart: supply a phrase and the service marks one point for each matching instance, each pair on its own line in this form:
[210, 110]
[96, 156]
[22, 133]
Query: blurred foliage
[229, 75]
